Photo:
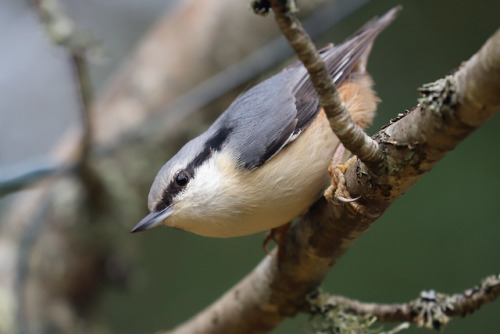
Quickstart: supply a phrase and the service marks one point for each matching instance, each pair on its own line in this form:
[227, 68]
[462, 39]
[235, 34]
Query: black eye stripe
[182, 178]
[213, 144]
[161, 205]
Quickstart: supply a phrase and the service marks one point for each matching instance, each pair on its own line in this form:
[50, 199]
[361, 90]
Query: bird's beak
[152, 220]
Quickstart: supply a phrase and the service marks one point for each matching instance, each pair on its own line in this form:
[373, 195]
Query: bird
[264, 161]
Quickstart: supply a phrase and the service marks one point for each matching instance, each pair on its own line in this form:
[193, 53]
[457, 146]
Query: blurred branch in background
[61, 30]
[46, 295]
[88, 175]
[20, 176]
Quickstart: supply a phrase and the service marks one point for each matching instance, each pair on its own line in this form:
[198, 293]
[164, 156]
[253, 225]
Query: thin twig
[88, 175]
[431, 309]
[349, 133]
[81, 71]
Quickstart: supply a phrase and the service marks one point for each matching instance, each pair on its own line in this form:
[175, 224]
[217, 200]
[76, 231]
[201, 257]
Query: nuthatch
[265, 160]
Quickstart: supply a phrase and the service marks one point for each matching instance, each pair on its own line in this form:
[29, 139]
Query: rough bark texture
[431, 309]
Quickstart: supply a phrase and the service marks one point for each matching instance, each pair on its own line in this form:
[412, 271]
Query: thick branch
[349, 133]
[413, 144]
[431, 309]
[450, 109]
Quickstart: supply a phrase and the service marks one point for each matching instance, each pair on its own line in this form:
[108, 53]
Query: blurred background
[443, 234]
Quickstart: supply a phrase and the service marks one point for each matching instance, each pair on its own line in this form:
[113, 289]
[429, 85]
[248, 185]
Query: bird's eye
[182, 178]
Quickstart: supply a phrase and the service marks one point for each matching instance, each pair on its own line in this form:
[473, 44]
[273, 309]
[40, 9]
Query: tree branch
[431, 309]
[349, 133]
[413, 143]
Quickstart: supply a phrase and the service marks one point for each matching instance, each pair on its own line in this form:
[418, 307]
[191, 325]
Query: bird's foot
[337, 192]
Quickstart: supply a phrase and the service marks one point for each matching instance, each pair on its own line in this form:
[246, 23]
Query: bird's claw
[338, 193]
[347, 200]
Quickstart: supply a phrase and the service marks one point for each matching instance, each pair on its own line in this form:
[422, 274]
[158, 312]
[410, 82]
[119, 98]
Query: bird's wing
[275, 112]
[260, 121]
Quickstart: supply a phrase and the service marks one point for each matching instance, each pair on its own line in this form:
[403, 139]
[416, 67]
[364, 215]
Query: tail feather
[346, 64]
[353, 53]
